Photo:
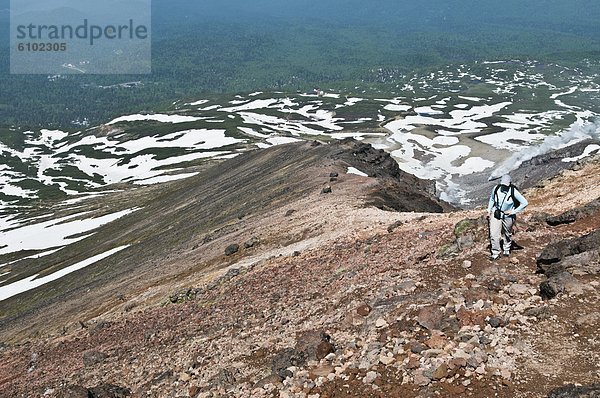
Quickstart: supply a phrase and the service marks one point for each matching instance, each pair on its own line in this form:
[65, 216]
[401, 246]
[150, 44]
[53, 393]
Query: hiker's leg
[507, 224]
[495, 232]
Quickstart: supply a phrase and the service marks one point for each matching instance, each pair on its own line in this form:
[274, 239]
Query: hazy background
[202, 47]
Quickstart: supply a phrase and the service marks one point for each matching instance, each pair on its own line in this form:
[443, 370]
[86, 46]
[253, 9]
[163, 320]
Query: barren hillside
[337, 297]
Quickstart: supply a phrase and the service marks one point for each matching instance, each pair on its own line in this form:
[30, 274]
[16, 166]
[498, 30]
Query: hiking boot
[506, 254]
[494, 257]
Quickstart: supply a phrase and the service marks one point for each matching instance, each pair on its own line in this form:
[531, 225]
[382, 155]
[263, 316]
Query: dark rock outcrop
[547, 165]
[530, 173]
[559, 261]
[573, 215]
[559, 251]
[555, 285]
[573, 391]
[397, 190]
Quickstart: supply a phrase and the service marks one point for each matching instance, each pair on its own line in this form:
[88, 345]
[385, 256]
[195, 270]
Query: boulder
[286, 358]
[573, 215]
[393, 226]
[193, 391]
[420, 379]
[430, 317]
[573, 391]
[440, 372]
[314, 345]
[74, 392]
[225, 377]
[557, 251]
[370, 377]
[556, 284]
[476, 317]
[467, 232]
[254, 241]
[321, 371]
[517, 289]
[416, 347]
[363, 310]
[470, 230]
[540, 313]
[495, 322]
[586, 263]
[289, 212]
[436, 341]
[232, 249]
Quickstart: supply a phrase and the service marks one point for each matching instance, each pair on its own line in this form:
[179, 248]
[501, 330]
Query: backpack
[512, 195]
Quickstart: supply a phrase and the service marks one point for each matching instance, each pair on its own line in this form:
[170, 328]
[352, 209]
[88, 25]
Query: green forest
[202, 48]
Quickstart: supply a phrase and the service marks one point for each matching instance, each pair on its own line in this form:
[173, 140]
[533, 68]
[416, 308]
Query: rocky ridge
[181, 229]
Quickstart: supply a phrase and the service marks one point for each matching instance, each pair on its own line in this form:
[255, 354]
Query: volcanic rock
[573, 391]
[232, 249]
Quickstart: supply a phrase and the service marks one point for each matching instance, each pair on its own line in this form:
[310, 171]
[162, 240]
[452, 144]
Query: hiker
[505, 203]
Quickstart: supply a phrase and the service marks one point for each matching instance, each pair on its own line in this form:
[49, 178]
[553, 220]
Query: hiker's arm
[491, 202]
[522, 200]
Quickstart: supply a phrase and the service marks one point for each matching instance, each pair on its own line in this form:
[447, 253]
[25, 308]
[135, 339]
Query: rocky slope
[181, 230]
[367, 303]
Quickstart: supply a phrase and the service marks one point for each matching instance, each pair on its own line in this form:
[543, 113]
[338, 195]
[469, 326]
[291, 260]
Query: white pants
[501, 229]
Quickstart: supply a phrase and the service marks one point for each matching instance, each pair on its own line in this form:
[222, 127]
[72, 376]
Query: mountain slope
[182, 228]
[369, 308]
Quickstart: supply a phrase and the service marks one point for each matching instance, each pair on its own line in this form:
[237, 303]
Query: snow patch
[164, 178]
[53, 233]
[32, 282]
[352, 170]
[155, 117]
[397, 108]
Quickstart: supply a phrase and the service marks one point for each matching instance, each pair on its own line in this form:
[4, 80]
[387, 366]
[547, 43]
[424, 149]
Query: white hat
[506, 180]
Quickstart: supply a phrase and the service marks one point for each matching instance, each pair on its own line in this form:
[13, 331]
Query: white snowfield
[32, 282]
[442, 133]
[49, 237]
[51, 151]
[53, 233]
